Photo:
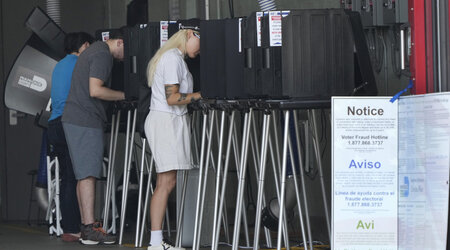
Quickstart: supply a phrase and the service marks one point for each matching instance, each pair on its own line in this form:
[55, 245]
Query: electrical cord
[379, 52]
[374, 49]
[395, 48]
[323, 120]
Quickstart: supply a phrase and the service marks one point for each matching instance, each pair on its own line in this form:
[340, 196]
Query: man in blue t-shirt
[74, 45]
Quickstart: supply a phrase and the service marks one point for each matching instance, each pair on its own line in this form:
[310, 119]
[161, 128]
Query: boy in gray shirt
[84, 119]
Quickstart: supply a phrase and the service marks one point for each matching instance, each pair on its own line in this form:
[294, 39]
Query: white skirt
[169, 138]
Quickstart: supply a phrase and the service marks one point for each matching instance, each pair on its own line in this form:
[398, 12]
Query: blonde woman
[167, 124]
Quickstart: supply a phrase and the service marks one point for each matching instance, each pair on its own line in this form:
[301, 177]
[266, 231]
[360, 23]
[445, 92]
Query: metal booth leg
[302, 180]
[262, 171]
[297, 195]
[276, 164]
[126, 175]
[283, 180]
[217, 221]
[218, 177]
[237, 157]
[149, 190]
[313, 114]
[109, 179]
[141, 181]
[242, 173]
[181, 213]
[196, 244]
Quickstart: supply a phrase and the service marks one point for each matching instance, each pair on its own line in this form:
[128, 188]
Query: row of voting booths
[257, 75]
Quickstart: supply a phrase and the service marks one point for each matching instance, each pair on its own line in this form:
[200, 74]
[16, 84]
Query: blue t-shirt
[61, 78]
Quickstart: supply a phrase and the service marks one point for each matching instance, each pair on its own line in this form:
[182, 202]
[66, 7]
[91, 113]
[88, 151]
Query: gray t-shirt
[81, 109]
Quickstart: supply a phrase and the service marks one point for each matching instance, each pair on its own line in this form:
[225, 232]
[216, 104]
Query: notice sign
[364, 173]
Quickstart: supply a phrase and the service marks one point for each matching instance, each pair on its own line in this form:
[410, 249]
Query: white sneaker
[164, 246]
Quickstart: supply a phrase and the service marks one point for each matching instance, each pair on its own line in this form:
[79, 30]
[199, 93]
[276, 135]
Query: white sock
[156, 237]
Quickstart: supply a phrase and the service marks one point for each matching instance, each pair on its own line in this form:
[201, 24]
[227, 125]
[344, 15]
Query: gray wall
[21, 143]
[2, 120]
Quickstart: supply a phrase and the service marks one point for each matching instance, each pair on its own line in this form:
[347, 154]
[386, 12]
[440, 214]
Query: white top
[171, 69]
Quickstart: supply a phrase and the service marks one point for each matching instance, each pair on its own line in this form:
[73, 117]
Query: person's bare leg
[79, 203]
[165, 183]
[86, 196]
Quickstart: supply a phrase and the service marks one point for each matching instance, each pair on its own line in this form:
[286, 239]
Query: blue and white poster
[364, 173]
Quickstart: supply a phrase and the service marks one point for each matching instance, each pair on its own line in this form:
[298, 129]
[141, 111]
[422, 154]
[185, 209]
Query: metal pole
[262, 172]
[57, 204]
[302, 179]
[195, 244]
[297, 195]
[218, 176]
[438, 45]
[319, 166]
[112, 157]
[114, 213]
[206, 9]
[125, 165]
[276, 156]
[125, 188]
[168, 222]
[205, 180]
[224, 216]
[283, 178]
[108, 178]
[181, 212]
[236, 150]
[216, 228]
[141, 181]
[242, 170]
[257, 162]
[148, 191]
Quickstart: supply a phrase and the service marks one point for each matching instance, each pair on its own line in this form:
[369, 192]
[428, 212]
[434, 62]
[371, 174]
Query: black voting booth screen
[271, 64]
[252, 57]
[317, 54]
[212, 47]
[222, 63]
[141, 43]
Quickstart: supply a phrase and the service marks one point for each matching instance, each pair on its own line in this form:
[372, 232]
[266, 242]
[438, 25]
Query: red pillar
[418, 60]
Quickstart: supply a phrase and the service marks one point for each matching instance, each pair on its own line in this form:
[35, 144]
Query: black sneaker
[165, 245]
[94, 234]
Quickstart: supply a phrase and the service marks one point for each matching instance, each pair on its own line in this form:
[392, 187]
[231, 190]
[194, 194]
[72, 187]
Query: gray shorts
[86, 150]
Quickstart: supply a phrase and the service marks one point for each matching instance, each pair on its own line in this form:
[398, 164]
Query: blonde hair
[178, 40]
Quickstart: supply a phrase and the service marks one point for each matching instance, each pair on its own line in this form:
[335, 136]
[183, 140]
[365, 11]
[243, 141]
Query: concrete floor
[20, 236]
